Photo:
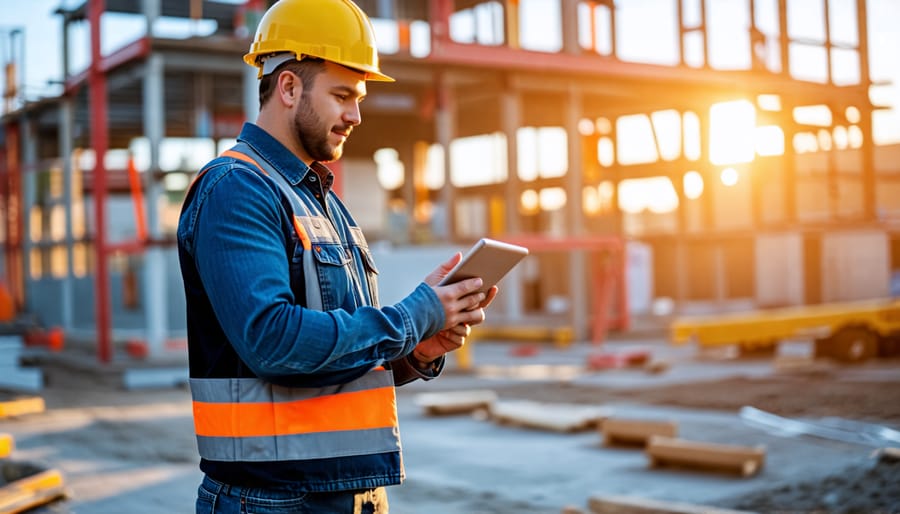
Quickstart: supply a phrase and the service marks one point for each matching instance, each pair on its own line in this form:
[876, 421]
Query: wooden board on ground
[743, 460]
[456, 402]
[554, 417]
[18, 406]
[634, 505]
[26, 486]
[801, 364]
[621, 431]
[7, 444]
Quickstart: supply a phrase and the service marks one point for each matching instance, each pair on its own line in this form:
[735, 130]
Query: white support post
[154, 290]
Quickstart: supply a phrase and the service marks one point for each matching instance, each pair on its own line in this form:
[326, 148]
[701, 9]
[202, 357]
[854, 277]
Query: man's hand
[463, 307]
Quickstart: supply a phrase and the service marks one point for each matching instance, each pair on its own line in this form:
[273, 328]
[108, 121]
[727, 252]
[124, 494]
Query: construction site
[708, 319]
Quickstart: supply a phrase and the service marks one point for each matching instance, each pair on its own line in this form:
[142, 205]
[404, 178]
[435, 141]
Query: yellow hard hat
[334, 30]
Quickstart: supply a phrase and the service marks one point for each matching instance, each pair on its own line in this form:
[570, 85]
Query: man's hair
[306, 69]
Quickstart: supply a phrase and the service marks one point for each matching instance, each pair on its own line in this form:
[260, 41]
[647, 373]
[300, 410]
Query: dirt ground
[92, 410]
[863, 489]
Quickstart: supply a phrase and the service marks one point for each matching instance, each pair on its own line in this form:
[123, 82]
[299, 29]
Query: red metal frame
[12, 191]
[609, 266]
[100, 142]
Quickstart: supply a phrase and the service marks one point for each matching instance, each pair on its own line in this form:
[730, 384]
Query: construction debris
[743, 460]
[456, 402]
[837, 429]
[634, 505]
[25, 485]
[554, 417]
[635, 432]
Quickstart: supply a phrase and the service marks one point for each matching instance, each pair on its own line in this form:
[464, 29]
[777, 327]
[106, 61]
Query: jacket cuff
[408, 369]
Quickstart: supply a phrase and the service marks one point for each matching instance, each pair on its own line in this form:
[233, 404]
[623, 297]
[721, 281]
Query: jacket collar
[291, 168]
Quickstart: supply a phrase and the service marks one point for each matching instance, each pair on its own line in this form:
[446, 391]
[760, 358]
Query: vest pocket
[333, 274]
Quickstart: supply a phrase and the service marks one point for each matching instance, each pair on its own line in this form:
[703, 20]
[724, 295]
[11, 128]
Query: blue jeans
[214, 497]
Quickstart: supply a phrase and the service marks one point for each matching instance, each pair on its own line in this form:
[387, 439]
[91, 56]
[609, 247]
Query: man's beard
[313, 134]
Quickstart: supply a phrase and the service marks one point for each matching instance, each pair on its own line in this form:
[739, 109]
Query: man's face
[328, 111]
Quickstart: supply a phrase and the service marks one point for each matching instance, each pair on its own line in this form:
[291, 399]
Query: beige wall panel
[855, 265]
[779, 269]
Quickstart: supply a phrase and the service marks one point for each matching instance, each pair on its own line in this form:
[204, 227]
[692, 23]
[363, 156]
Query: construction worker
[293, 363]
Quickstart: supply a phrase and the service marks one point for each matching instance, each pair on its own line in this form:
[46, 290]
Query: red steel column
[100, 142]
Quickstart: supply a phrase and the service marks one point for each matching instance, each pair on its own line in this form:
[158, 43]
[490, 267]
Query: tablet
[488, 259]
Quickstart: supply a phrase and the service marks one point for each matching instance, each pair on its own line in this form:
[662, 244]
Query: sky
[645, 31]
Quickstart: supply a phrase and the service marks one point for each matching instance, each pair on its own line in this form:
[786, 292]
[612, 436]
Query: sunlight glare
[529, 201]
[606, 152]
[729, 177]
[731, 132]
[693, 185]
[390, 169]
[841, 139]
[770, 103]
[691, 130]
[654, 194]
[769, 140]
[552, 199]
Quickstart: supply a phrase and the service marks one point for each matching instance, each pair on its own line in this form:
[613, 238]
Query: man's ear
[290, 87]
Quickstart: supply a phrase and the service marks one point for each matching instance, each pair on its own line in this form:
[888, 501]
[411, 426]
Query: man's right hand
[462, 304]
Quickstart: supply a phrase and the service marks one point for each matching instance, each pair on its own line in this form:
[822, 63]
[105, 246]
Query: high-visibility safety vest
[249, 419]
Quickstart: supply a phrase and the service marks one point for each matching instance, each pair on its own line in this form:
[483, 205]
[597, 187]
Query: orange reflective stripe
[243, 157]
[360, 410]
[301, 233]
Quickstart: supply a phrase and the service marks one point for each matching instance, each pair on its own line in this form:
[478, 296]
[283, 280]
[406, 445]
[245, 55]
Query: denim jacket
[246, 312]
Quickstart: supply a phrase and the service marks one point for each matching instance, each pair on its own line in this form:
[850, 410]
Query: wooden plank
[456, 402]
[30, 491]
[633, 505]
[21, 406]
[620, 431]
[553, 417]
[743, 460]
[7, 444]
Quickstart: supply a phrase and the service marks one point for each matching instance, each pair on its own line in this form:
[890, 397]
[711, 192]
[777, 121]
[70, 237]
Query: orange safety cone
[53, 339]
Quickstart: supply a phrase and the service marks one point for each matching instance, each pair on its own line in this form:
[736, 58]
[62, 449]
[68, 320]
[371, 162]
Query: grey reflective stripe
[313, 288]
[254, 390]
[358, 238]
[319, 229]
[300, 447]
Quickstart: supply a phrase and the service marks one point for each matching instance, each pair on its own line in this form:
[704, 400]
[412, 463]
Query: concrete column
[570, 27]
[575, 216]
[65, 151]
[870, 199]
[445, 121]
[385, 9]
[28, 166]
[406, 155]
[154, 290]
[511, 113]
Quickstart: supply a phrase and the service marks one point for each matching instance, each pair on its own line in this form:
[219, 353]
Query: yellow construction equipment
[849, 331]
